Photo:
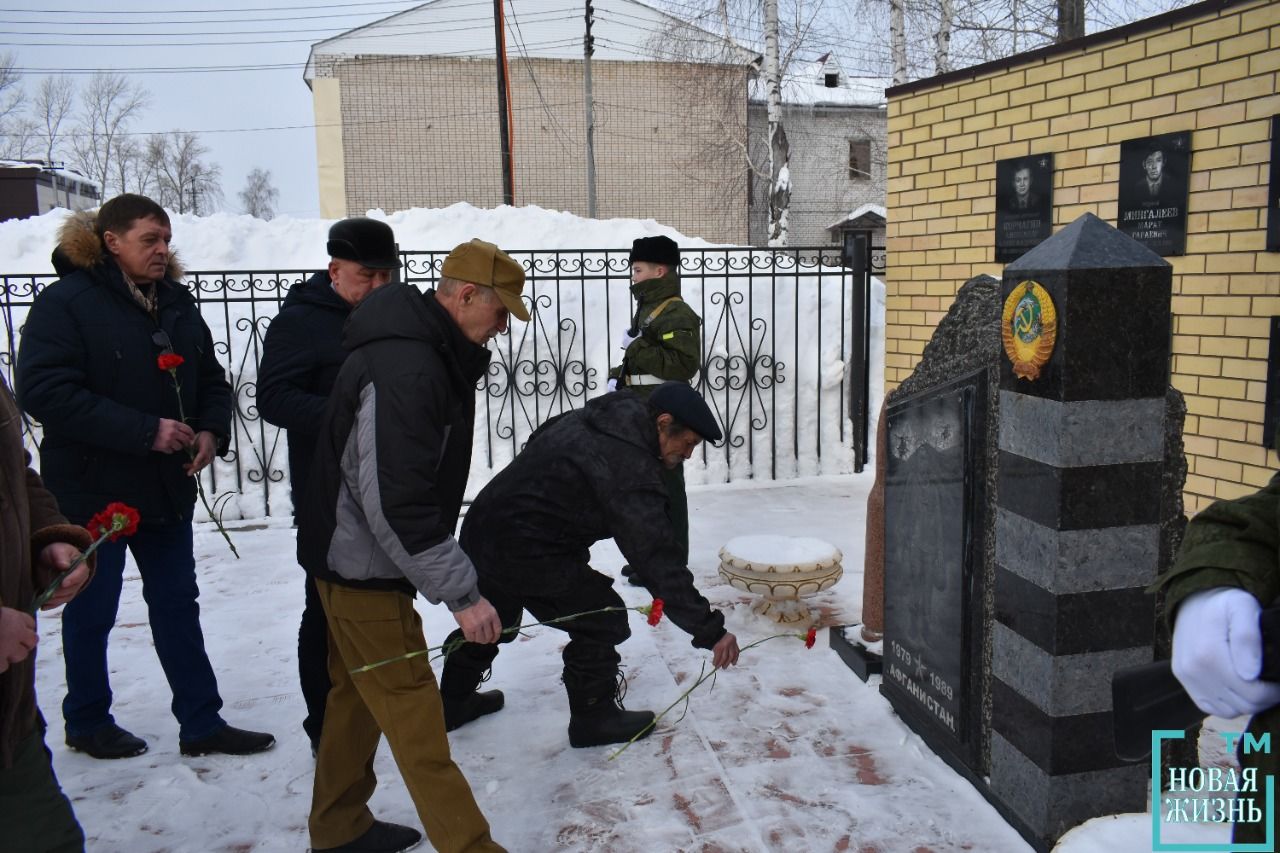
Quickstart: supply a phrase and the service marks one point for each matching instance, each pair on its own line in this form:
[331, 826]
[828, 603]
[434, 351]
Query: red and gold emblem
[1028, 328]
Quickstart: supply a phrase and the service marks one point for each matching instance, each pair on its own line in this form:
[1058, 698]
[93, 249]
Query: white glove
[626, 339]
[1217, 653]
[612, 384]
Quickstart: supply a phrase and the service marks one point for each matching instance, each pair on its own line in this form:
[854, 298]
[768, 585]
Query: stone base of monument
[782, 570]
[865, 659]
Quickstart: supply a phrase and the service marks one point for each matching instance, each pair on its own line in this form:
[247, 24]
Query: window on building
[859, 159]
[831, 81]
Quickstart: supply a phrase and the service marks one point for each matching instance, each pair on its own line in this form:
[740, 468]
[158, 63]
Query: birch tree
[108, 106]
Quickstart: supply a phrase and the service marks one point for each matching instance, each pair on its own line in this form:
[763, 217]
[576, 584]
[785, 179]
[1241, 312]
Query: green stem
[703, 675]
[191, 454]
[447, 649]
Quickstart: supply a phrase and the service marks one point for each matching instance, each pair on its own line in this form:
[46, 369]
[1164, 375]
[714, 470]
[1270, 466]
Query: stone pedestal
[1077, 528]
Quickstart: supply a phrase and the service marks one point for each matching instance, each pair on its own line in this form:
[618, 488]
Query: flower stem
[43, 598]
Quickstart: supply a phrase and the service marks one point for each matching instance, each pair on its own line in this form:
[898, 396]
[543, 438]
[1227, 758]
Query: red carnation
[169, 360]
[117, 519]
[655, 612]
[810, 638]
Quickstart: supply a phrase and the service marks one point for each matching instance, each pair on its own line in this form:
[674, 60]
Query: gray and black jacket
[393, 453]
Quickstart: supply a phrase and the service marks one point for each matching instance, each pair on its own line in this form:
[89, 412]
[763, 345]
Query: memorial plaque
[1273, 194]
[1024, 204]
[1271, 412]
[1153, 191]
[932, 506]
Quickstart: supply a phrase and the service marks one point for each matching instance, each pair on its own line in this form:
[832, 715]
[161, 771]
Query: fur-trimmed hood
[79, 247]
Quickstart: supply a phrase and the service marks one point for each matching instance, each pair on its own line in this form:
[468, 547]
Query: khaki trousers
[400, 700]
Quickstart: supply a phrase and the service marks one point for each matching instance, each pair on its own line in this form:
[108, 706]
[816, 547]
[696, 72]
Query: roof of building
[809, 84]
[622, 30]
[43, 167]
[871, 216]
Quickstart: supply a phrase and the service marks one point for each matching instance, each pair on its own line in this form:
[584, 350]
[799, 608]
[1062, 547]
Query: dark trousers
[313, 661]
[35, 816]
[590, 657]
[168, 569]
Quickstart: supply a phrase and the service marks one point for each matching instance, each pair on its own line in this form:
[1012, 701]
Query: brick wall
[423, 131]
[1213, 69]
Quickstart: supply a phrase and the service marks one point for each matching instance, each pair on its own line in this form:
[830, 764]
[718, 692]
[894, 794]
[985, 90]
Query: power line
[171, 11]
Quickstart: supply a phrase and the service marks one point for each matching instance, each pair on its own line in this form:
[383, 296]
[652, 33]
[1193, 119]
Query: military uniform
[1235, 543]
[668, 346]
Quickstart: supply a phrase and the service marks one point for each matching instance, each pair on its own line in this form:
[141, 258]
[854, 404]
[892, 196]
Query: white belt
[644, 379]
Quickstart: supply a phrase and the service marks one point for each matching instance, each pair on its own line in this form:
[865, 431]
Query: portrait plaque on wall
[1273, 194]
[1024, 204]
[1153, 191]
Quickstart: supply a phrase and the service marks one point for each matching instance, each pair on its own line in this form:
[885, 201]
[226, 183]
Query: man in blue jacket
[116, 430]
[301, 358]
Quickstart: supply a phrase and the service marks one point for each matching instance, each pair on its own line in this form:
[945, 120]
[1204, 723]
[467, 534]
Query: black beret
[655, 250]
[686, 405]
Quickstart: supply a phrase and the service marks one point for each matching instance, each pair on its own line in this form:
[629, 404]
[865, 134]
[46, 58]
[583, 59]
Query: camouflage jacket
[669, 344]
[1234, 543]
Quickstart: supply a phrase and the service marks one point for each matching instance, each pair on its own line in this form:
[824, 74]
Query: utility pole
[588, 48]
[504, 106]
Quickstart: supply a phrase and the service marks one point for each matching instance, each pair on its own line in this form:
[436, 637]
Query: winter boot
[597, 717]
[459, 712]
[459, 683]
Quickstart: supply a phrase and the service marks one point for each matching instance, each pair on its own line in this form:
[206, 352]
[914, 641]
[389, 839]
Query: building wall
[423, 132]
[1216, 74]
[822, 192]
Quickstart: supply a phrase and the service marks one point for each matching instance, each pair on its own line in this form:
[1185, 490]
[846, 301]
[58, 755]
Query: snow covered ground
[789, 751]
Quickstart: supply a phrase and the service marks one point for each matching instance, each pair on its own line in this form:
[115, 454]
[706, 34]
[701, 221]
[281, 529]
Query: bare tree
[13, 134]
[108, 105]
[53, 102]
[259, 197]
[133, 169]
[185, 182]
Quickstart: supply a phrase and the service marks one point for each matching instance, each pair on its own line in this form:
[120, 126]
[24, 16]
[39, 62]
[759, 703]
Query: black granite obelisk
[1077, 531]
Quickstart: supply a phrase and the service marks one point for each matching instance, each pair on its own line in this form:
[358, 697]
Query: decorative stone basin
[782, 570]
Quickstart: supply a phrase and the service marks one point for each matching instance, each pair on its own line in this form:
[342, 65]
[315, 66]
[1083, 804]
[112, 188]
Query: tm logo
[1213, 795]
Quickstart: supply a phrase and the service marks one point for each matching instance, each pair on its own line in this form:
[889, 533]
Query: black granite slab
[1076, 623]
[1085, 498]
[1057, 745]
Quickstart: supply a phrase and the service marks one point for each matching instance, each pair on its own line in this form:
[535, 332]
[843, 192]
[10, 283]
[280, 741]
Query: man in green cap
[662, 344]
[375, 528]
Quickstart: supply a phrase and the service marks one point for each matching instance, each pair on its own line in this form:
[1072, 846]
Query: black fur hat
[655, 250]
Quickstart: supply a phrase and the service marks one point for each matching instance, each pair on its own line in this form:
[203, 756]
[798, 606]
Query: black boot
[597, 717]
[459, 683]
[460, 711]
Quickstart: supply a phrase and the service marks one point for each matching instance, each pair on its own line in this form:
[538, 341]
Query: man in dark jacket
[36, 543]
[587, 475]
[300, 361]
[376, 527]
[115, 430]
[662, 344]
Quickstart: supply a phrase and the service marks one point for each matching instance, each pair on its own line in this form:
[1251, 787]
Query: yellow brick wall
[1216, 75]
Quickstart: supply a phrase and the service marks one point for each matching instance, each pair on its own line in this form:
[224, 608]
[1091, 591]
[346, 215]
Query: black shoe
[382, 837]
[631, 576]
[229, 740]
[109, 741]
[611, 724]
[459, 712]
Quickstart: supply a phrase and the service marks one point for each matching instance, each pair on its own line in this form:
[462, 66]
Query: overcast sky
[185, 54]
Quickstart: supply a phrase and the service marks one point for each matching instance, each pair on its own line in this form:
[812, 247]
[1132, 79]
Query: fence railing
[777, 334]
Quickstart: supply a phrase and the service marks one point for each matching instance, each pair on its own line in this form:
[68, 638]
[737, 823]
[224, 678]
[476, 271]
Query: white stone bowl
[780, 569]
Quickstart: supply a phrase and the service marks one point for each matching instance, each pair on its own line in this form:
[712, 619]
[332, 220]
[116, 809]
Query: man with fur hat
[590, 474]
[301, 357]
[36, 543]
[663, 343]
[376, 528]
[115, 430]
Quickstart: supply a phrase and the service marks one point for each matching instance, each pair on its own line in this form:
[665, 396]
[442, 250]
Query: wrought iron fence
[778, 330]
